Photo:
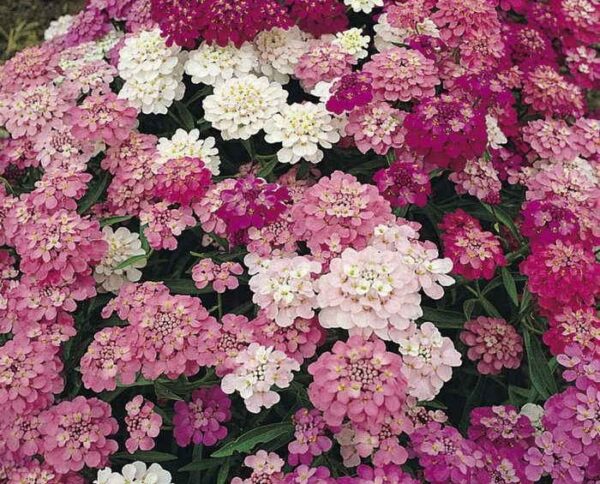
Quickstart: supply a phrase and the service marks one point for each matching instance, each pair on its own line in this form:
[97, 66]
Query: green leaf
[223, 473]
[146, 456]
[184, 115]
[115, 220]
[131, 261]
[261, 435]
[443, 318]
[490, 309]
[203, 464]
[185, 286]
[93, 194]
[539, 368]
[162, 391]
[509, 284]
[267, 167]
[468, 307]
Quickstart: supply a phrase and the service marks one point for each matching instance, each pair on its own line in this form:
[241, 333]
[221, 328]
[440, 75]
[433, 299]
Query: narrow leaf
[202, 464]
[539, 369]
[115, 220]
[146, 456]
[509, 284]
[261, 435]
[131, 261]
[444, 318]
[93, 194]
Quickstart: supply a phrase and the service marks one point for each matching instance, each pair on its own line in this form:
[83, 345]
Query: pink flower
[552, 139]
[33, 66]
[391, 473]
[75, 434]
[310, 438]
[478, 178]
[493, 344]
[500, 427]
[446, 131]
[458, 20]
[277, 235]
[219, 343]
[475, 253]
[310, 475]
[579, 327]
[200, 421]
[428, 360]
[257, 370]
[359, 380]
[349, 92]
[180, 21]
[222, 277]
[338, 212]
[370, 291]
[403, 183]
[400, 74]
[584, 64]
[376, 126]
[382, 443]
[143, 424]
[20, 435]
[91, 76]
[323, 61]
[182, 180]
[164, 224]
[90, 24]
[285, 290]
[56, 145]
[266, 468]
[548, 92]
[318, 17]
[299, 340]
[29, 375]
[110, 358]
[103, 117]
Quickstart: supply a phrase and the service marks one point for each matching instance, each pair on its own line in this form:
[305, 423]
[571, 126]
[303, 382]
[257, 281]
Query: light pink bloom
[143, 424]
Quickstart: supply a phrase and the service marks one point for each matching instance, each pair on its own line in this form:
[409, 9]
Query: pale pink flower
[163, 224]
[143, 424]
[266, 468]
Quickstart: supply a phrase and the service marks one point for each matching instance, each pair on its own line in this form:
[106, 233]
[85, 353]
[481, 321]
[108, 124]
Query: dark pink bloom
[351, 91]
[500, 427]
[200, 421]
[180, 20]
[403, 183]
[319, 17]
[90, 24]
[579, 327]
[183, 180]
[310, 439]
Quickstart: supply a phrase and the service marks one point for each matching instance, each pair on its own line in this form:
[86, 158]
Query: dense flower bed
[302, 242]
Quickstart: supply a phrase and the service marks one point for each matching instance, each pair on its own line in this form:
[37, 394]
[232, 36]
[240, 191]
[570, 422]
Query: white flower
[495, 135]
[58, 27]
[322, 90]
[301, 129]
[279, 50]
[353, 42]
[146, 56]
[106, 43]
[387, 36]
[534, 413]
[213, 64]
[135, 473]
[365, 6]
[154, 95]
[183, 144]
[239, 107]
[122, 245]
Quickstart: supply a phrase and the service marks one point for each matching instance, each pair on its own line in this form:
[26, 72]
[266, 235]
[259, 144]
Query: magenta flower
[403, 183]
[359, 380]
[500, 427]
[493, 344]
[200, 421]
[90, 24]
[103, 117]
[183, 180]
[350, 91]
[75, 434]
[266, 468]
[579, 327]
[310, 439]
[143, 424]
[319, 17]
[180, 21]
[387, 473]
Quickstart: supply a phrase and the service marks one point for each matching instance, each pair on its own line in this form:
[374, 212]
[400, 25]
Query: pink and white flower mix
[302, 241]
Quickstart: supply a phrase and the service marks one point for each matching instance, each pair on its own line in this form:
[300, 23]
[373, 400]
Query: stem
[220, 304]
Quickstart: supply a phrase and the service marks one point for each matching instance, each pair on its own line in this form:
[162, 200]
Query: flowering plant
[302, 242]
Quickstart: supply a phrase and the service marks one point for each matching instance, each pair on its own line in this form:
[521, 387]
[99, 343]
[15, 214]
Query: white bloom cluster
[302, 129]
[134, 473]
[122, 245]
[278, 52]
[365, 6]
[183, 144]
[240, 107]
[58, 27]
[153, 72]
[387, 36]
[213, 64]
[353, 42]
[258, 369]
[496, 137]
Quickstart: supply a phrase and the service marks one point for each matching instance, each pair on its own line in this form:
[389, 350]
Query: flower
[323, 61]
[428, 360]
[579, 327]
[359, 380]
[302, 129]
[154, 95]
[552, 138]
[222, 277]
[365, 6]
[102, 117]
[143, 424]
[183, 144]
[278, 52]
[400, 74]
[58, 27]
[493, 344]
[258, 368]
[338, 212]
[350, 91]
[33, 66]
[265, 468]
[240, 107]
[75, 434]
[376, 126]
[122, 246]
[180, 21]
[29, 375]
[163, 223]
[318, 16]
[182, 180]
[478, 178]
[403, 183]
[212, 64]
[369, 291]
[136, 472]
[200, 420]
[500, 427]
[353, 42]
[309, 437]
[285, 289]
[475, 253]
